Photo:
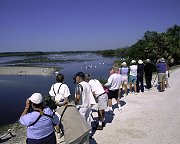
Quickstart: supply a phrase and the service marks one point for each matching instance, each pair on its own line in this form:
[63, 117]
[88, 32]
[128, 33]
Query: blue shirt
[44, 125]
[161, 67]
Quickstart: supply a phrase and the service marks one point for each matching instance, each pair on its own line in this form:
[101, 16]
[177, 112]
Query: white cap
[36, 98]
[140, 62]
[133, 61]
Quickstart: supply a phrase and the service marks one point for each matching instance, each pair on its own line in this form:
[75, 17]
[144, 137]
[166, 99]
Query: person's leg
[150, 79]
[146, 80]
[135, 89]
[125, 89]
[130, 87]
[137, 85]
[100, 116]
[142, 84]
[163, 81]
[110, 96]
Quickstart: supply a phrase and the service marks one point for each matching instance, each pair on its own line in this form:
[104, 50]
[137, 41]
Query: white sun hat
[36, 98]
[140, 62]
[133, 61]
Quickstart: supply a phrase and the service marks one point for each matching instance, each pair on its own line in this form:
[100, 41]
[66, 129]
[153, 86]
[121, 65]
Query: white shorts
[124, 79]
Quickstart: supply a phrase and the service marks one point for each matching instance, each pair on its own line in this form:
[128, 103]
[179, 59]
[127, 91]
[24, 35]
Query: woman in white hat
[133, 76]
[39, 122]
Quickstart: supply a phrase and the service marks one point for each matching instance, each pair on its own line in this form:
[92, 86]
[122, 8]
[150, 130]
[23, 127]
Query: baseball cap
[81, 74]
[36, 98]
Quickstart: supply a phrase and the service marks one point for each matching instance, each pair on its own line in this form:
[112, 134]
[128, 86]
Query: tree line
[152, 45]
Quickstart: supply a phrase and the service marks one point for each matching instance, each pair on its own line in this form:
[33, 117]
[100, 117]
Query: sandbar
[15, 70]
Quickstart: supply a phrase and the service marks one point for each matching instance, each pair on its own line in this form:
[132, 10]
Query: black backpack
[49, 102]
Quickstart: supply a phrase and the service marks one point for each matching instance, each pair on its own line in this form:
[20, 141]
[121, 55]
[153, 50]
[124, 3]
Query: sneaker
[60, 135]
[135, 93]
[100, 127]
[125, 95]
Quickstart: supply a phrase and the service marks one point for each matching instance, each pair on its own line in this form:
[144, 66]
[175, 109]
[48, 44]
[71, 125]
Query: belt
[101, 94]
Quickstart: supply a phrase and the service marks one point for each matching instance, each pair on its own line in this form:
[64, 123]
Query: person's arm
[78, 93]
[26, 109]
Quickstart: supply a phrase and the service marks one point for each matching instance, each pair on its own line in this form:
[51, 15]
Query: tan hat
[162, 60]
[140, 62]
[36, 98]
[124, 64]
[148, 60]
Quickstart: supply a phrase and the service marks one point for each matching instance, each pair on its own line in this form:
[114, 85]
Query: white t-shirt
[96, 87]
[133, 70]
[114, 81]
[64, 91]
[87, 96]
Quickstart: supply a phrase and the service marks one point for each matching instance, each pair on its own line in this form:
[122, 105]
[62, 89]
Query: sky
[80, 25]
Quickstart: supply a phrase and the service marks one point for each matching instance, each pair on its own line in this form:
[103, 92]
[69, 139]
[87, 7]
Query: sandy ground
[151, 117]
[26, 71]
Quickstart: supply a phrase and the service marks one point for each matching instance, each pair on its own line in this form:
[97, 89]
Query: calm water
[16, 89]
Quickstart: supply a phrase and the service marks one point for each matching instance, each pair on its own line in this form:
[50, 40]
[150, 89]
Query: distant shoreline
[16, 70]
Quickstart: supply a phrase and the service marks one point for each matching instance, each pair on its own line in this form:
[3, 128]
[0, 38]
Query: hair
[41, 105]
[87, 77]
[59, 77]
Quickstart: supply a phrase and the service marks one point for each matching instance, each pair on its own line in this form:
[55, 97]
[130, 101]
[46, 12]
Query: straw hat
[124, 64]
[162, 60]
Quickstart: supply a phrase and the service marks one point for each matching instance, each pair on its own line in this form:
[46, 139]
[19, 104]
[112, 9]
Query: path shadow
[92, 141]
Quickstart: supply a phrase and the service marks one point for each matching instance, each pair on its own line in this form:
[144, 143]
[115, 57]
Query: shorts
[132, 79]
[113, 94]
[102, 101]
[161, 77]
[124, 79]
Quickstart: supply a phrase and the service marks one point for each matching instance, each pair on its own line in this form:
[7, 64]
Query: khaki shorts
[102, 101]
[161, 77]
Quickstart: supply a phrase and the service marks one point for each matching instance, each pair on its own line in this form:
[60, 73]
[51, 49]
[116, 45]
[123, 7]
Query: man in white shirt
[101, 97]
[114, 83]
[60, 93]
[84, 98]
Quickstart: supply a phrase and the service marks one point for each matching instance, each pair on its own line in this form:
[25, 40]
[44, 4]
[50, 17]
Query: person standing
[161, 67]
[148, 69]
[140, 75]
[133, 76]
[39, 122]
[101, 96]
[114, 83]
[84, 98]
[124, 70]
[60, 93]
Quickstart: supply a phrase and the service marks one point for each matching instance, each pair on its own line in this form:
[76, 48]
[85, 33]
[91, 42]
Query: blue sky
[62, 25]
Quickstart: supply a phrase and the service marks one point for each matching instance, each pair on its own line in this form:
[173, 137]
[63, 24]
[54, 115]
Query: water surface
[16, 89]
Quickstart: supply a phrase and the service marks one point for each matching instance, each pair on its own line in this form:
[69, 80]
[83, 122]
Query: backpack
[49, 102]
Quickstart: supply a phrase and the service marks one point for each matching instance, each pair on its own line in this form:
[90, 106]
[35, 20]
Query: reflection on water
[16, 89]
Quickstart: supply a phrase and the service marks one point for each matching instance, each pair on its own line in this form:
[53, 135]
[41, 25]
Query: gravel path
[151, 117]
